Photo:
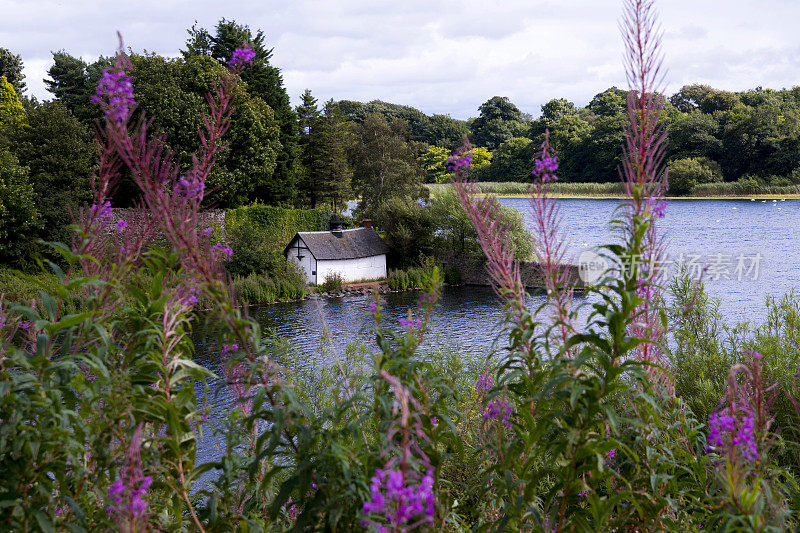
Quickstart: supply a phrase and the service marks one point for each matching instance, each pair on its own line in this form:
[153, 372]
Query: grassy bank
[253, 289]
[731, 190]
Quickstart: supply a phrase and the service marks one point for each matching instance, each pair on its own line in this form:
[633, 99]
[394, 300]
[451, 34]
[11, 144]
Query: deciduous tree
[384, 164]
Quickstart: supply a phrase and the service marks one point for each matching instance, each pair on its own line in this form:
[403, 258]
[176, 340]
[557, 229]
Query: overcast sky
[440, 56]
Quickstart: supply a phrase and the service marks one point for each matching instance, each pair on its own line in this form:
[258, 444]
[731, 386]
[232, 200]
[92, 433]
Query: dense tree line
[333, 152]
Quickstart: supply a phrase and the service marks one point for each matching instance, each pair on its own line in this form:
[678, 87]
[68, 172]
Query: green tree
[323, 143]
[445, 132]
[61, 155]
[455, 232]
[685, 173]
[609, 103]
[433, 161]
[69, 82]
[719, 101]
[694, 134]
[11, 110]
[11, 68]
[19, 219]
[308, 116]
[513, 160]
[407, 227]
[384, 164]
[689, 97]
[569, 134]
[264, 81]
[499, 121]
[172, 93]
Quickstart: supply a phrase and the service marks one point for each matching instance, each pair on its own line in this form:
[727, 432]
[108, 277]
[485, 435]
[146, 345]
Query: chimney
[335, 225]
[367, 223]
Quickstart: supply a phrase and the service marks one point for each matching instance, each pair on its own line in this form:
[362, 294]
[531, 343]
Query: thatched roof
[352, 244]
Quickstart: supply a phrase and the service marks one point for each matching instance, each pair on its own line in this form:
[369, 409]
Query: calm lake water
[746, 251]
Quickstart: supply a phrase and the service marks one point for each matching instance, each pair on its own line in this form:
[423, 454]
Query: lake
[745, 251]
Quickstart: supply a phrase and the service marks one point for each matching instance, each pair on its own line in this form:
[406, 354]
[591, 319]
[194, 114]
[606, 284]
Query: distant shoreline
[615, 191]
[620, 197]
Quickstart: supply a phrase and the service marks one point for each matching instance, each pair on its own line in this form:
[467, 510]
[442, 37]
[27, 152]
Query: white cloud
[442, 56]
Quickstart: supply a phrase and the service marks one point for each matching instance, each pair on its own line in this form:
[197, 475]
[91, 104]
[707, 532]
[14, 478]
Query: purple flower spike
[485, 382]
[190, 187]
[745, 439]
[657, 207]
[242, 56]
[754, 355]
[401, 500]
[545, 168]
[102, 212]
[115, 93]
[498, 409]
[410, 323]
[222, 252]
[121, 225]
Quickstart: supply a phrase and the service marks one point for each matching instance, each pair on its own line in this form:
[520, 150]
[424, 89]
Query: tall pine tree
[323, 141]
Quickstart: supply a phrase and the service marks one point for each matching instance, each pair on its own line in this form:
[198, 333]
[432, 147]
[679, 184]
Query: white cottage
[355, 254]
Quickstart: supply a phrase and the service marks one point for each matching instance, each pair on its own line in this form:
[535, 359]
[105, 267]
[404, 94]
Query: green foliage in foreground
[571, 436]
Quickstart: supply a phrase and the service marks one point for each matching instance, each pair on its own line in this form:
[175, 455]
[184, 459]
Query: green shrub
[452, 276]
[19, 218]
[454, 231]
[256, 289]
[407, 227]
[333, 282]
[416, 277]
[259, 233]
[686, 173]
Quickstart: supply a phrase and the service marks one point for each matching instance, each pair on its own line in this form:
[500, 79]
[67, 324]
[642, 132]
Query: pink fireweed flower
[410, 323]
[190, 187]
[745, 439]
[719, 426]
[729, 433]
[190, 293]
[121, 225]
[102, 212]
[656, 207]
[133, 503]
[497, 409]
[229, 348]
[222, 252]
[754, 355]
[461, 159]
[115, 93]
[242, 56]
[485, 382]
[545, 168]
[126, 494]
[645, 290]
[208, 231]
[400, 499]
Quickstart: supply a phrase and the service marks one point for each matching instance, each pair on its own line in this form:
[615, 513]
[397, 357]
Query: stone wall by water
[137, 218]
[474, 270]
